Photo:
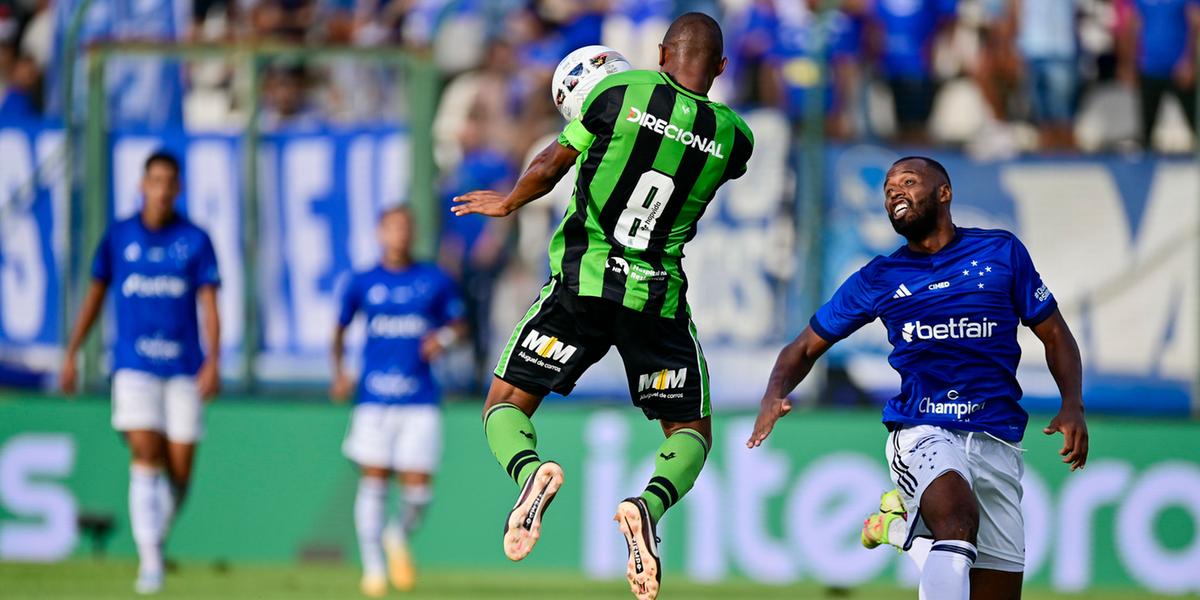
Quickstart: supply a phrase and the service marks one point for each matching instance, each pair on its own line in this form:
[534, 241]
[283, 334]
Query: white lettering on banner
[23, 278]
[824, 515]
[1136, 279]
[728, 515]
[1161, 569]
[47, 512]
[1103, 483]
[212, 196]
[306, 178]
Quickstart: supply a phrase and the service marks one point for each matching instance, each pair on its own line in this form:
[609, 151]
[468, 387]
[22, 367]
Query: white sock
[370, 511]
[947, 571]
[145, 516]
[416, 499]
[166, 504]
[919, 551]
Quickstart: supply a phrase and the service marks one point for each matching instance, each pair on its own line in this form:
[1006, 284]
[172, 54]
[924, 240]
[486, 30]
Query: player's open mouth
[899, 210]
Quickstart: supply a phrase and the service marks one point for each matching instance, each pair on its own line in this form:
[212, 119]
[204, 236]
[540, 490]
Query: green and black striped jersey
[652, 157]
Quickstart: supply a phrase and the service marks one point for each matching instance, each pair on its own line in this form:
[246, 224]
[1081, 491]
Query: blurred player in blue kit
[160, 266]
[952, 300]
[413, 313]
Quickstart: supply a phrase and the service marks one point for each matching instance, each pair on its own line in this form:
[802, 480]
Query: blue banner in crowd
[1114, 239]
[140, 91]
[319, 196]
[33, 218]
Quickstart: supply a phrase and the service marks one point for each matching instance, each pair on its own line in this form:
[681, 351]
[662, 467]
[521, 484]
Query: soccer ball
[579, 72]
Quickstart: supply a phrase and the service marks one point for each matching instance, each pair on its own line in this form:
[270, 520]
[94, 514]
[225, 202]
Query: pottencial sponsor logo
[960, 329]
[664, 128]
[547, 346]
[156, 348]
[393, 385]
[397, 326]
[960, 410]
[156, 286]
[666, 379]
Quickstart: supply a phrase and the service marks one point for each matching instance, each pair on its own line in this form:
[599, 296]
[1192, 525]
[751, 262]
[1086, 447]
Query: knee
[961, 524]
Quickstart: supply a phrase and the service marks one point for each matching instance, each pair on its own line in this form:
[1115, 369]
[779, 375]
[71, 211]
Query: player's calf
[950, 511]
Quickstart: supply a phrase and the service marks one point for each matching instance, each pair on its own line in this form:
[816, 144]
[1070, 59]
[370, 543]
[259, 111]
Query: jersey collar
[906, 252]
[681, 89]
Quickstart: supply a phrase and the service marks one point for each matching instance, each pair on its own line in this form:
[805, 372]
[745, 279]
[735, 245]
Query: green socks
[511, 437]
[678, 464]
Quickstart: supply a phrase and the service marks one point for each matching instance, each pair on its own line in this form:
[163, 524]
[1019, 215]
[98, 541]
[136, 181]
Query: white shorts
[395, 437]
[919, 454]
[144, 401]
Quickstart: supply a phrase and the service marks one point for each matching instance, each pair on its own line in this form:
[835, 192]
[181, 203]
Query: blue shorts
[1051, 84]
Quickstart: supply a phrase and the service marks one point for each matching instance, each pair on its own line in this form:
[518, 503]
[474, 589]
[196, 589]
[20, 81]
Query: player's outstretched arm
[208, 380]
[793, 365]
[543, 174]
[88, 312]
[1062, 355]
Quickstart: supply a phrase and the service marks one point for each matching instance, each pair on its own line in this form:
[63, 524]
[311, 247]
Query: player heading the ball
[650, 150]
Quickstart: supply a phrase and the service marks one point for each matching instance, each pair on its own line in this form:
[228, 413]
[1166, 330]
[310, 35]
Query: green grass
[100, 580]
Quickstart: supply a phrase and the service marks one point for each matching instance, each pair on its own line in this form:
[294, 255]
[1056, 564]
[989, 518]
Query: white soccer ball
[579, 72]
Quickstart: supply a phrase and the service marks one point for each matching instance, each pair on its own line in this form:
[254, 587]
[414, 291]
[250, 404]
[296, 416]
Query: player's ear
[662, 55]
[945, 193]
[721, 66]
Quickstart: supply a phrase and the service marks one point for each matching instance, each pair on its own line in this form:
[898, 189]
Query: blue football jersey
[401, 307]
[952, 321]
[154, 276]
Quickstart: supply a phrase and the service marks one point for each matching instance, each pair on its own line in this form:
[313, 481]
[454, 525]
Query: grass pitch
[101, 580]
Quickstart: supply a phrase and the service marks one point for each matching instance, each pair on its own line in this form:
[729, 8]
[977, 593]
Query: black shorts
[563, 334]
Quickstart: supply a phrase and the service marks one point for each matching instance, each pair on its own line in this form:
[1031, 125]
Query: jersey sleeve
[743, 147]
[204, 269]
[576, 136]
[351, 301]
[850, 308]
[1031, 298]
[450, 303]
[102, 262]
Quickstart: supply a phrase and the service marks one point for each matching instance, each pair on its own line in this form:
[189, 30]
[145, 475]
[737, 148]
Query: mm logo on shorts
[548, 346]
[666, 379]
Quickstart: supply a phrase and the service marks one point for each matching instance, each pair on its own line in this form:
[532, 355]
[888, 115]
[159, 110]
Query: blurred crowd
[995, 76]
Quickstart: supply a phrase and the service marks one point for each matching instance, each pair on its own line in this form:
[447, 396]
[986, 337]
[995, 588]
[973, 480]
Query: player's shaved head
[695, 37]
[933, 167]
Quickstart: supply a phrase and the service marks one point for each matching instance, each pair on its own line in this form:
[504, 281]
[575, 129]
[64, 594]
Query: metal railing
[420, 88]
